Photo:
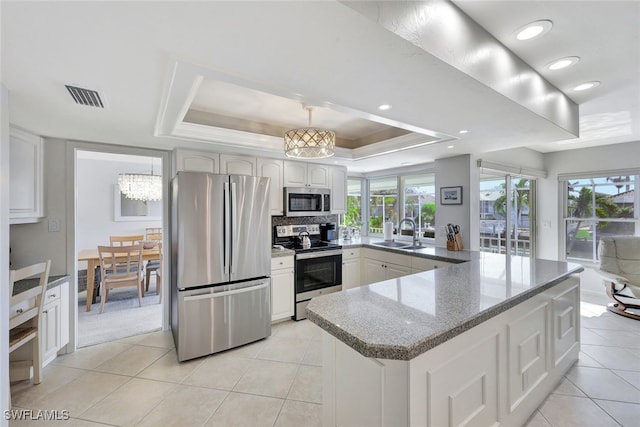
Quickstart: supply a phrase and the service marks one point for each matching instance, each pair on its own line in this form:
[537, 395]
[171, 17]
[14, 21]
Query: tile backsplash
[293, 220]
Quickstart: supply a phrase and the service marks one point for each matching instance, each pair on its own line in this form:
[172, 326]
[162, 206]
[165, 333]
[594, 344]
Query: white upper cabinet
[196, 161]
[301, 174]
[338, 190]
[238, 165]
[25, 177]
[274, 169]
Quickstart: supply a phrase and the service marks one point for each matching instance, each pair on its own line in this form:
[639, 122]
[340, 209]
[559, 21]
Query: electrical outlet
[54, 225]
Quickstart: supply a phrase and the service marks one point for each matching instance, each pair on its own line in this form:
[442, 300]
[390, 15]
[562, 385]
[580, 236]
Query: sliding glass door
[507, 214]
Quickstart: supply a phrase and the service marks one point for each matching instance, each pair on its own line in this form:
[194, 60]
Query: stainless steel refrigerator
[220, 262]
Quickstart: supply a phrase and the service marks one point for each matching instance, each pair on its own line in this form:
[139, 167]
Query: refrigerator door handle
[227, 235]
[227, 293]
[234, 222]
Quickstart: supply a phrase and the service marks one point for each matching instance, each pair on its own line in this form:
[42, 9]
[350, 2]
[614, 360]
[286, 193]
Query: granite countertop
[277, 252]
[25, 285]
[402, 318]
[426, 251]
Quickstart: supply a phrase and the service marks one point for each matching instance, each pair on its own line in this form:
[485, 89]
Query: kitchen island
[477, 343]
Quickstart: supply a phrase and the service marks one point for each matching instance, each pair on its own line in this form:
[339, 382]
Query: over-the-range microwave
[306, 201]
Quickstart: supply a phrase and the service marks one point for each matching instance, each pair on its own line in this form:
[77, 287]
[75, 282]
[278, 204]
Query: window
[383, 203]
[396, 197]
[597, 207]
[353, 217]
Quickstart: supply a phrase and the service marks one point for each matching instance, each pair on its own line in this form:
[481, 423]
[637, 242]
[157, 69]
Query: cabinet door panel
[295, 174]
[350, 273]
[394, 271]
[282, 294]
[338, 190]
[237, 165]
[374, 271]
[273, 169]
[25, 176]
[197, 161]
[50, 323]
[318, 175]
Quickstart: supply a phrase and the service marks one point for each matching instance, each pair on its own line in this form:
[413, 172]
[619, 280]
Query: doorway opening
[104, 211]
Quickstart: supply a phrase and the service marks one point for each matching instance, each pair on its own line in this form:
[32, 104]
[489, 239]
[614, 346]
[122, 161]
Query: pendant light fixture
[309, 142]
[140, 186]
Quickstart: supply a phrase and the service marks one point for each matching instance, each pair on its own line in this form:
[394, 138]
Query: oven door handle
[319, 254]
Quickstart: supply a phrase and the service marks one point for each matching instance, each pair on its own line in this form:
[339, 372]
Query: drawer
[350, 253]
[425, 264]
[281, 262]
[52, 294]
[388, 257]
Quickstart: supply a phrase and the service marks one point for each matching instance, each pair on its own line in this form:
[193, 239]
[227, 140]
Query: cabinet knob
[52, 296]
[281, 263]
[45, 311]
[19, 310]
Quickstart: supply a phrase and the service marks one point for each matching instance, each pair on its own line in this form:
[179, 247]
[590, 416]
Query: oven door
[317, 270]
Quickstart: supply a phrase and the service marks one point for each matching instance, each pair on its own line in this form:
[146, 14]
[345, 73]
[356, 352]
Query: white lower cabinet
[351, 268]
[425, 264]
[383, 265]
[282, 288]
[54, 322]
[496, 373]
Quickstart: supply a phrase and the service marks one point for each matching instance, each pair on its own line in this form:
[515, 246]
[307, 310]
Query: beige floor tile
[267, 378]
[572, 411]
[537, 420]
[218, 372]
[133, 339]
[248, 351]
[82, 393]
[626, 339]
[586, 360]
[631, 377]
[598, 383]
[627, 414]
[303, 329]
[167, 368]
[567, 388]
[239, 410]
[313, 355]
[284, 349]
[90, 357]
[82, 423]
[307, 386]
[163, 339]
[185, 406]
[297, 414]
[613, 357]
[589, 337]
[129, 403]
[24, 393]
[132, 361]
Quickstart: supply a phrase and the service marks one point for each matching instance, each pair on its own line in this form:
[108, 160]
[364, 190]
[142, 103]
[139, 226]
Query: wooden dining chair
[120, 266]
[125, 240]
[24, 317]
[155, 266]
[153, 233]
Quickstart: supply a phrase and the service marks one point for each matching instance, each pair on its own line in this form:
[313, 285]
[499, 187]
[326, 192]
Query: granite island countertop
[402, 318]
[26, 284]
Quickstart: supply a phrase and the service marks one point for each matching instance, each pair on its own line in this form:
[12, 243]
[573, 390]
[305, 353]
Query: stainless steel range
[318, 264]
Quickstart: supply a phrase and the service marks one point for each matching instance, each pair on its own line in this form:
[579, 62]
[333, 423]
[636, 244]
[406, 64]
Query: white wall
[606, 158]
[4, 250]
[95, 201]
[33, 243]
[453, 172]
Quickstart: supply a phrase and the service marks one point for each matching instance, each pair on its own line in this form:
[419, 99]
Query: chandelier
[140, 186]
[309, 142]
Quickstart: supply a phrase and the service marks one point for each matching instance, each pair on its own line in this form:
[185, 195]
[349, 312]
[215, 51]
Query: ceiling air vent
[88, 97]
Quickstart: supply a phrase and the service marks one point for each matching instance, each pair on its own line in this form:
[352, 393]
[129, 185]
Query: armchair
[620, 269]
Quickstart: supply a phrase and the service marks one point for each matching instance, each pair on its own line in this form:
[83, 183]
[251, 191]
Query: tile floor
[276, 382]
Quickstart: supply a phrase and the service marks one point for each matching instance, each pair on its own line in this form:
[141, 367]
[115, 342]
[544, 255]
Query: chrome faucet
[416, 238]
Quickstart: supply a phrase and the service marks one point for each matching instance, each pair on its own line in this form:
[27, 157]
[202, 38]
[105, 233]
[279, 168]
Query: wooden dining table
[93, 260]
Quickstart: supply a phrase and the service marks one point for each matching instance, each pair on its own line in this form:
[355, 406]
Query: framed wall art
[450, 195]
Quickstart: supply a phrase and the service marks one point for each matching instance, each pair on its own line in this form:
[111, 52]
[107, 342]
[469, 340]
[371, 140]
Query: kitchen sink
[392, 244]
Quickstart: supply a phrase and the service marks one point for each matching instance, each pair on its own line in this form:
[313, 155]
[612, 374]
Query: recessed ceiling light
[405, 163]
[384, 107]
[534, 29]
[449, 146]
[463, 131]
[561, 63]
[585, 86]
